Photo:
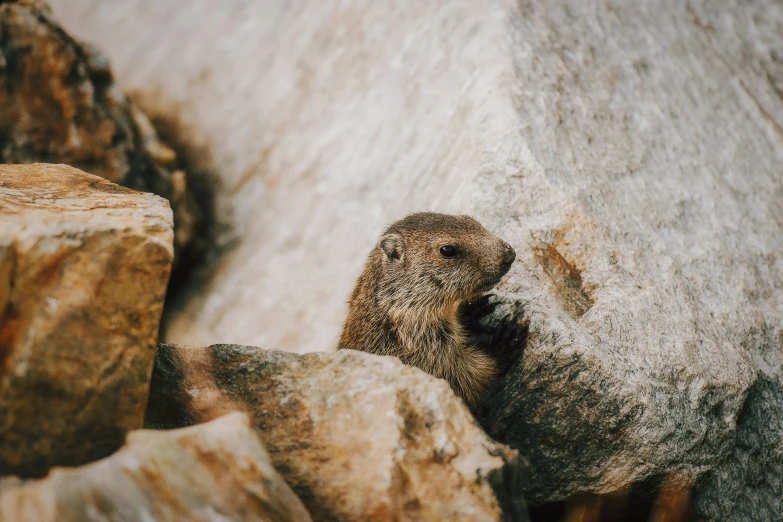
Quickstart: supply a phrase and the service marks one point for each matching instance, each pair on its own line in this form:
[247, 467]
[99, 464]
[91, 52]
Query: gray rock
[629, 151]
[357, 436]
[208, 473]
[747, 486]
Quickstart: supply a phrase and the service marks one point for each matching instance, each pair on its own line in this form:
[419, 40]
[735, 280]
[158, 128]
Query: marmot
[419, 288]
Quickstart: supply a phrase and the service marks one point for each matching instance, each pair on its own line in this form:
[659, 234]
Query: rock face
[215, 471]
[357, 436]
[630, 153]
[83, 271]
[59, 104]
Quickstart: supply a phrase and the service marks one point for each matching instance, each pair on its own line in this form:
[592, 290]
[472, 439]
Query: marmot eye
[448, 251]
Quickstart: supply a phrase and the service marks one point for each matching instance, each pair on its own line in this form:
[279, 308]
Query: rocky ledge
[357, 436]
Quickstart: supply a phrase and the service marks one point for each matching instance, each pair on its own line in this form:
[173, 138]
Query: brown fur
[406, 300]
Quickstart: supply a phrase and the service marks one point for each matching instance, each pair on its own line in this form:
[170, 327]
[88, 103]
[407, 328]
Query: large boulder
[629, 151]
[213, 472]
[83, 270]
[357, 436]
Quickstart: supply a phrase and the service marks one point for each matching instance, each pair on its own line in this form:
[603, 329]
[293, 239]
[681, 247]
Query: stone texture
[83, 271]
[59, 104]
[630, 152]
[753, 470]
[357, 436]
[213, 472]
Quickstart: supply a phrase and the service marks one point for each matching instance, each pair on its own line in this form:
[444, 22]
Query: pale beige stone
[213, 472]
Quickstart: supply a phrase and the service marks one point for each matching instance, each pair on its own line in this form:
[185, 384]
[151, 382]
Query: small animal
[421, 298]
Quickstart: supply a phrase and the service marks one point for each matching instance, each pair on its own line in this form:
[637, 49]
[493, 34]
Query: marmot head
[432, 261]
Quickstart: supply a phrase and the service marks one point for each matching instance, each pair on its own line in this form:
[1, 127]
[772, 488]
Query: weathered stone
[357, 436]
[212, 472]
[83, 271]
[59, 104]
[630, 152]
[753, 471]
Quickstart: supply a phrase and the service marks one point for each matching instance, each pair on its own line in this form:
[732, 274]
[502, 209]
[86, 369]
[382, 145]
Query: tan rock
[357, 436]
[59, 104]
[212, 472]
[83, 271]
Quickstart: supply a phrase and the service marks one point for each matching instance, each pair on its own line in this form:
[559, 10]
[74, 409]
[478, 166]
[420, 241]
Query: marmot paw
[472, 312]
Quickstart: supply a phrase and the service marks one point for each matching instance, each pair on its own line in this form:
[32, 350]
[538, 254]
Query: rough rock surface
[629, 151]
[357, 436]
[59, 104]
[211, 472]
[83, 271]
[753, 470]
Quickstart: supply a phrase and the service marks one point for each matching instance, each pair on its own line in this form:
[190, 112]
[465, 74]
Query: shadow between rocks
[212, 236]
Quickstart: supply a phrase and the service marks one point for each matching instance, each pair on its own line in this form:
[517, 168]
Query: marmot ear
[391, 244]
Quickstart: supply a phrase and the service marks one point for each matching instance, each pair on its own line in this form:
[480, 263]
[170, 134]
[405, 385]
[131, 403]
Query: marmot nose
[508, 255]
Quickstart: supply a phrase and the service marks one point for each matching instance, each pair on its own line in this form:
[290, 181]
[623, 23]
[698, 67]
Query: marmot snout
[407, 299]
